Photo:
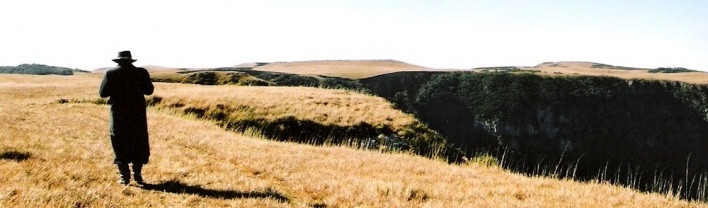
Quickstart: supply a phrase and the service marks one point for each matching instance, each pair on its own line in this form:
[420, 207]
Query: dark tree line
[37, 69]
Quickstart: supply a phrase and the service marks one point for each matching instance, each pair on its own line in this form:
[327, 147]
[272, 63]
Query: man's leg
[124, 173]
[137, 173]
[121, 160]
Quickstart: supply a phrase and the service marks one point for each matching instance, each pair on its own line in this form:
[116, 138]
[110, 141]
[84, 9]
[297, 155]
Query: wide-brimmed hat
[124, 56]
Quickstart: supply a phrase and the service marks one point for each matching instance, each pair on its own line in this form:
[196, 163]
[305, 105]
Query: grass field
[56, 154]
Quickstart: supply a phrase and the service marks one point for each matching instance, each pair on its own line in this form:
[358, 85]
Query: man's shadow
[174, 186]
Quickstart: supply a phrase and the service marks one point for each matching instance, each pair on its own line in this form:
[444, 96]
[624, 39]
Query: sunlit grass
[197, 163]
[340, 107]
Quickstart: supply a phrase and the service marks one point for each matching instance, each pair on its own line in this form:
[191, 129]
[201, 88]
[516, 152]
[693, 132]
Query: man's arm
[147, 87]
[105, 90]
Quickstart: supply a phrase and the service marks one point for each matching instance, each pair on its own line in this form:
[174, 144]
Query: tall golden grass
[63, 159]
[326, 106]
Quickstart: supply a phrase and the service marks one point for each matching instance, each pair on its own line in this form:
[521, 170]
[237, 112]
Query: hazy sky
[87, 34]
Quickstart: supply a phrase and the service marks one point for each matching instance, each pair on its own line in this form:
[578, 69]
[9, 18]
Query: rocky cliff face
[638, 132]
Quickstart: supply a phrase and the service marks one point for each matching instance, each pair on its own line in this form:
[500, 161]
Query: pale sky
[458, 34]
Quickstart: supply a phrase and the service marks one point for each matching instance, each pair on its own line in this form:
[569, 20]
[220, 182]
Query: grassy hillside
[300, 114]
[250, 77]
[57, 154]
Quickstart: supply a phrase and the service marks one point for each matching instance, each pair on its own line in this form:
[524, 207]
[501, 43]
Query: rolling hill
[151, 69]
[361, 69]
[353, 69]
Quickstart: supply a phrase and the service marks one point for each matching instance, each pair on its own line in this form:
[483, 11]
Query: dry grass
[584, 68]
[196, 163]
[325, 106]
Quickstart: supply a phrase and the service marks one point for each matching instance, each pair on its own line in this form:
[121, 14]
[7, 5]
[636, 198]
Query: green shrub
[203, 78]
[670, 70]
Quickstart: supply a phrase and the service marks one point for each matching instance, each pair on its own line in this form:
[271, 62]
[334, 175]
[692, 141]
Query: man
[126, 85]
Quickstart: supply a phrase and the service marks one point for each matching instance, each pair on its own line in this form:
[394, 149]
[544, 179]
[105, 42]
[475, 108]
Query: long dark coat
[126, 86]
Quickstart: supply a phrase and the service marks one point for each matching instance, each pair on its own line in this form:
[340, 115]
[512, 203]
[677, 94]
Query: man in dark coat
[126, 85]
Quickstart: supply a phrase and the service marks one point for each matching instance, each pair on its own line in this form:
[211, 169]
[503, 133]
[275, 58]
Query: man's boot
[137, 173]
[124, 173]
